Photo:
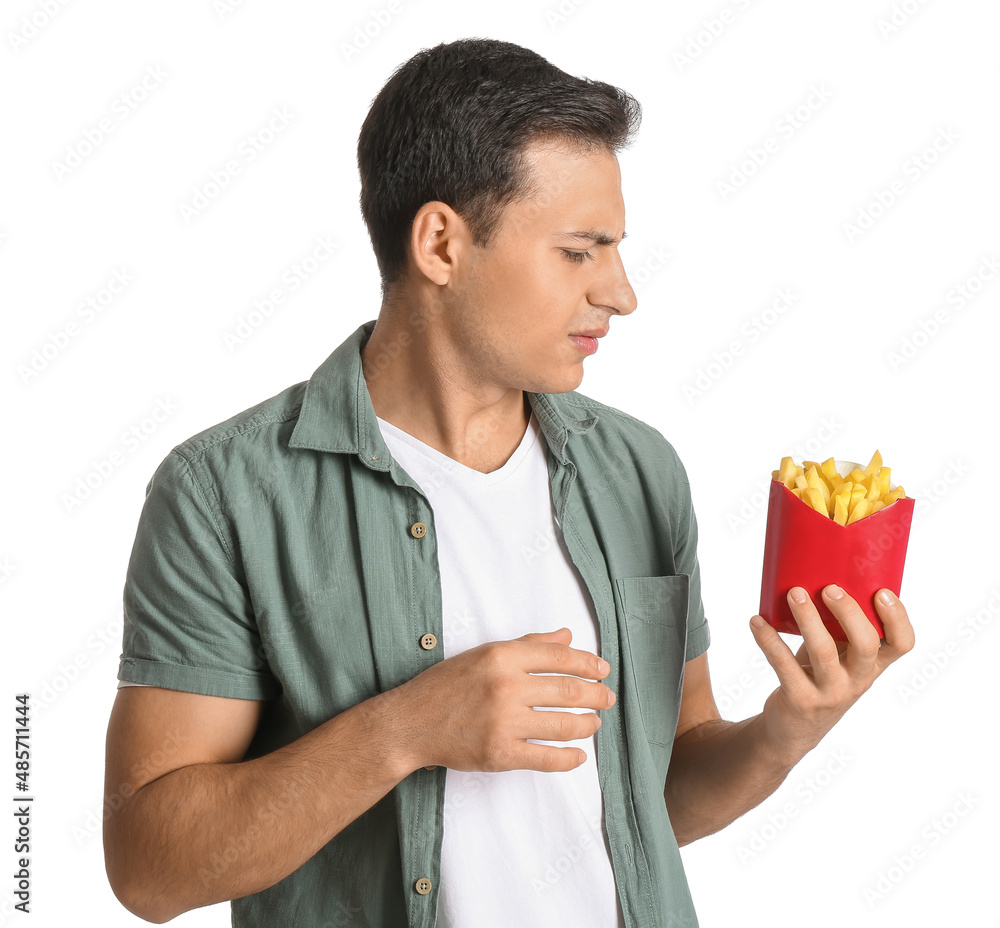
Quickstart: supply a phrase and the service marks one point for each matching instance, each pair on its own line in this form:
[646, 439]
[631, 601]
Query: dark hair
[452, 123]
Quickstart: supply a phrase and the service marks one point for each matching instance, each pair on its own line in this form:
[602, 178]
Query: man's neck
[417, 385]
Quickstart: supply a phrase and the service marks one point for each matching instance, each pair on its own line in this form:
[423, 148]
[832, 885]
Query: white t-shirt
[520, 847]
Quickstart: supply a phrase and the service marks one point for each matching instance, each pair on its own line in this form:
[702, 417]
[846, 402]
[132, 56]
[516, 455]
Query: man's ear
[438, 238]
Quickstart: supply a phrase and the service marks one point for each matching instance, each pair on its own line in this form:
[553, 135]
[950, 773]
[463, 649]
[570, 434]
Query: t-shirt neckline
[452, 466]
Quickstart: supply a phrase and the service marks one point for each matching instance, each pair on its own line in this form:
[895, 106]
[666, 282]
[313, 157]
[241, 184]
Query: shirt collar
[337, 413]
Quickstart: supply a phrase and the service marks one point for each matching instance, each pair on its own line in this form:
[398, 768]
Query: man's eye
[578, 256]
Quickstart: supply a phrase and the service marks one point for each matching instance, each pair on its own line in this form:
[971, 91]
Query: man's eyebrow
[597, 236]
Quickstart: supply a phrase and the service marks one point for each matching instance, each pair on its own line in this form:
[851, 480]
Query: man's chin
[571, 381]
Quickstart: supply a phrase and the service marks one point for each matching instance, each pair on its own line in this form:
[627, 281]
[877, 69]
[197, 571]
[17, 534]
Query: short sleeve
[188, 620]
[686, 562]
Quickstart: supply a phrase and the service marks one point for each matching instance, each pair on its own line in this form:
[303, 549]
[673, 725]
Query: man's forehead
[572, 192]
[562, 163]
[566, 145]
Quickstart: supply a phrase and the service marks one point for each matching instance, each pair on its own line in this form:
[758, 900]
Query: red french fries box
[803, 547]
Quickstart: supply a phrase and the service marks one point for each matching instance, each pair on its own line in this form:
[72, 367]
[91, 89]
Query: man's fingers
[824, 657]
[778, 654]
[548, 759]
[562, 635]
[553, 657]
[899, 636]
[570, 692]
[863, 641]
[547, 724]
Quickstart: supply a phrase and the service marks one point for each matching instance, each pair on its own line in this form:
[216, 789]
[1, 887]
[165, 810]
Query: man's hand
[825, 678]
[474, 711]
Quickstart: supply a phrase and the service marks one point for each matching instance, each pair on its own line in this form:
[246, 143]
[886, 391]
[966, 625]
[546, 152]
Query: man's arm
[717, 772]
[719, 769]
[189, 823]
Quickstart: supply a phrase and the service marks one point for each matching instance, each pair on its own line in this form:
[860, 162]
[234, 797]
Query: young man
[414, 642]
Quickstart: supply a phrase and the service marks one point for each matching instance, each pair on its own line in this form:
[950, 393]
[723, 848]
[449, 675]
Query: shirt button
[423, 886]
[418, 530]
[428, 642]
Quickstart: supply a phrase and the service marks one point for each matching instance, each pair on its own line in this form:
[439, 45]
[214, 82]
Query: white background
[821, 378]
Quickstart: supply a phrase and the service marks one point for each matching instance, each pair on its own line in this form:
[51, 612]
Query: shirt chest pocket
[653, 612]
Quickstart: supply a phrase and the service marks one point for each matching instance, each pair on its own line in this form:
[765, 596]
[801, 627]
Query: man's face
[544, 277]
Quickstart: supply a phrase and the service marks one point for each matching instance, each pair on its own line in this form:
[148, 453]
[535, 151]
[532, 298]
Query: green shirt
[283, 555]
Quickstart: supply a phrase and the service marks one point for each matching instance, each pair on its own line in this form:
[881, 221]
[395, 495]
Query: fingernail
[603, 666]
[757, 622]
[611, 698]
[798, 594]
[886, 598]
[834, 592]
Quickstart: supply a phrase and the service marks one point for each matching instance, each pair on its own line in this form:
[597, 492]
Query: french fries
[863, 492]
